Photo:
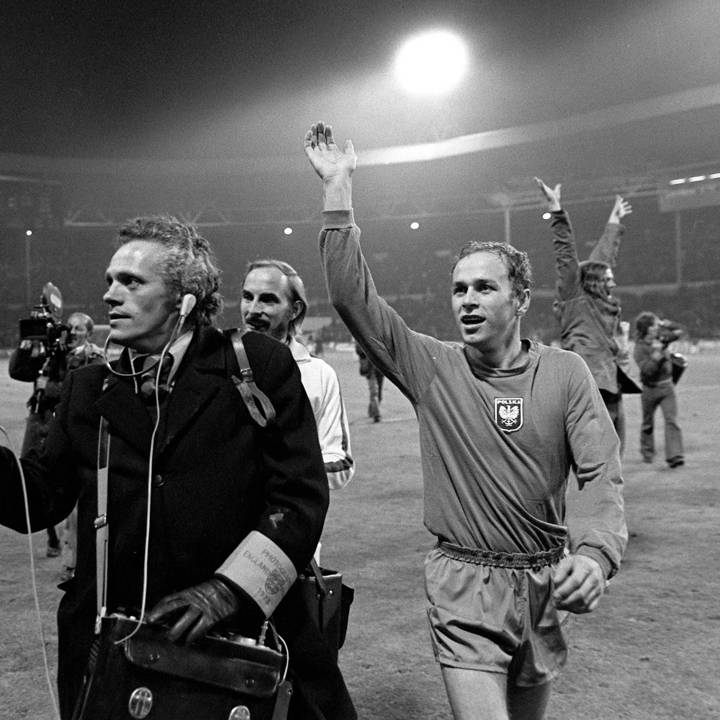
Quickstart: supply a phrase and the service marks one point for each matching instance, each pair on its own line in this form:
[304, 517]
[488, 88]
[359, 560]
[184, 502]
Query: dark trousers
[36, 430]
[664, 396]
[375, 381]
[614, 405]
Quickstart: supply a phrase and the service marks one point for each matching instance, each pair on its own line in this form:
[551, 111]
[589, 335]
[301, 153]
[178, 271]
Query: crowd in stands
[404, 265]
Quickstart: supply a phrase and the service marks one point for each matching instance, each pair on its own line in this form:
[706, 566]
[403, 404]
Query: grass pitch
[649, 652]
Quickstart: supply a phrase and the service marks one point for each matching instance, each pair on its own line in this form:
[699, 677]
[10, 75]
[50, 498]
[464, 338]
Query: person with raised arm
[585, 306]
[502, 421]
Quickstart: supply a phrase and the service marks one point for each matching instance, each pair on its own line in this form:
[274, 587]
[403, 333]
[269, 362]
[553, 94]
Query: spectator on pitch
[211, 517]
[46, 368]
[375, 380]
[588, 312]
[274, 302]
[503, 421]
[653, 358]
[318, 343]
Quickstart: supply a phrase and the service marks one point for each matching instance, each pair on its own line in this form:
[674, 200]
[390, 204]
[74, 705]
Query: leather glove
[204, 606]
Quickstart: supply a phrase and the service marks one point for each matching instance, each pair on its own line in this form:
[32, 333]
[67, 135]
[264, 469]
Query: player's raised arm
[552, 195]
[620, 209]
[607, 247]
[334, 166]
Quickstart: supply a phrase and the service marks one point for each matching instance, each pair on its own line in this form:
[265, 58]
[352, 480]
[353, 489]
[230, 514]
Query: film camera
[667, 333]
[44, 324]
[46, 337]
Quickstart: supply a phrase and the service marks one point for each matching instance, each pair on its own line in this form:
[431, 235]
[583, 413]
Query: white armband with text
[261, 568]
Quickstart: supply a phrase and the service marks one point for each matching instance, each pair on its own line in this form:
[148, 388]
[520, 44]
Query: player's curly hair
[189, 265]
[516, 261]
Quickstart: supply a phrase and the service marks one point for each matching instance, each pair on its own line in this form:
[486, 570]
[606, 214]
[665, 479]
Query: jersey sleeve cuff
[261, 569]
[607, 567]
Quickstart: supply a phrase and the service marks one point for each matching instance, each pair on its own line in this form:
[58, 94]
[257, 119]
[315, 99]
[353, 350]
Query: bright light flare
[432, 63]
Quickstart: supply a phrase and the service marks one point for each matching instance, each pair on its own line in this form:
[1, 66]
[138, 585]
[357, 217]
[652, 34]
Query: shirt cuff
[608, 569]
[260, 568]
[333, 219]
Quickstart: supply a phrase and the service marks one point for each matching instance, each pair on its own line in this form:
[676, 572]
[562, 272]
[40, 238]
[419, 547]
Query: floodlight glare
[414, 225]
[432, 63]
[288, 231]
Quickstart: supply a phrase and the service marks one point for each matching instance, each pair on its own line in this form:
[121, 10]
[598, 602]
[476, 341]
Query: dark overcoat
[215, 476]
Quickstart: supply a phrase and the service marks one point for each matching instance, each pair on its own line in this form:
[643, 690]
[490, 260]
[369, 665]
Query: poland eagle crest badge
[509, 413]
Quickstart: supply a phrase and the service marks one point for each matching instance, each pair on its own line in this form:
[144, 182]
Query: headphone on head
[186, 306]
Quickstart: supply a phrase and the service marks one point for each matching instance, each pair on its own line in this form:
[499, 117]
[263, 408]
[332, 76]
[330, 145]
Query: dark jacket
[216, 476]
[655, 365]
[589, 326]
[26, 367]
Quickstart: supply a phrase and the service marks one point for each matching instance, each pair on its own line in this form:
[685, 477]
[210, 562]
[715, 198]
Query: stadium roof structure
[203, 107]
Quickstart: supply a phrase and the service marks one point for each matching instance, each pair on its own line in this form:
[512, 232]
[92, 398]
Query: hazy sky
[232, 79]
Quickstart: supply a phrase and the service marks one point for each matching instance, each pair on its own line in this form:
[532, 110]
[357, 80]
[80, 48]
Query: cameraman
[656, 374]
[45, 363]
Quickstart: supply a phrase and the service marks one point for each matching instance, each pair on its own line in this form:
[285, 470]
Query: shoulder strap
[101, 521]
[320, 584]
[258, 404]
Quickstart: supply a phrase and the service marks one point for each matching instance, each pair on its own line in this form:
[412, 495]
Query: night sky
[219, 79]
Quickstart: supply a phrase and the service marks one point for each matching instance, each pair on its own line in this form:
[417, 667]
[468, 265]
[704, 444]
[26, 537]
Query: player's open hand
[579, 584]
[327, 159]
[552, 195]
[621, 208]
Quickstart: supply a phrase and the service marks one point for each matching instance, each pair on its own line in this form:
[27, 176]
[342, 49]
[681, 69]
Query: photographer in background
[655, 362]
[44, 360]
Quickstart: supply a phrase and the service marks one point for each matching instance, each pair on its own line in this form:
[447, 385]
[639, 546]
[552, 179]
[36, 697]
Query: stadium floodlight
[288, 231]
[432, 63]
[414, 225]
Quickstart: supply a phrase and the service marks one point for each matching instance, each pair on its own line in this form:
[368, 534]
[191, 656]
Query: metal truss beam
[213, 214]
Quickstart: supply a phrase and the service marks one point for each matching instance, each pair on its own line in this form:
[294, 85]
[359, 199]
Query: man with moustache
[274, 302]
